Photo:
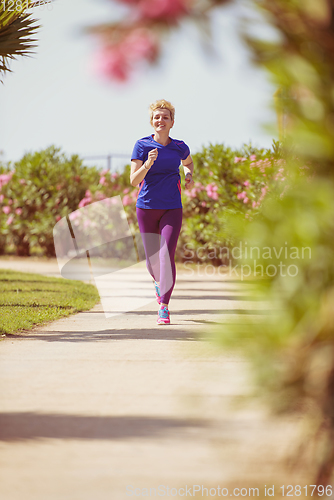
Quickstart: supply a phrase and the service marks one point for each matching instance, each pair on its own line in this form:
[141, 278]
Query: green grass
[28, 299]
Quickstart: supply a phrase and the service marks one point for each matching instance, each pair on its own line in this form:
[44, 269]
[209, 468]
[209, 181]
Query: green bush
[45, 186]
[36, 192]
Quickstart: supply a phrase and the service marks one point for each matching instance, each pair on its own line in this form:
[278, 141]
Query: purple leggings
[166, 223]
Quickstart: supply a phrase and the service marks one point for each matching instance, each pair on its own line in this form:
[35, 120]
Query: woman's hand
[189, 181]
[152, 156]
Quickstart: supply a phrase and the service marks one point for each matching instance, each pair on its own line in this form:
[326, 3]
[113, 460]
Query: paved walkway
[93, 407]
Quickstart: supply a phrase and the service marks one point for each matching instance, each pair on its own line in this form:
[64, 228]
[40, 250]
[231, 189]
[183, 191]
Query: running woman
[155, 166]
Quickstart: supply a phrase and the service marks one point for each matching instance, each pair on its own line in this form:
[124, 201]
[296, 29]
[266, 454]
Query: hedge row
[45, 186]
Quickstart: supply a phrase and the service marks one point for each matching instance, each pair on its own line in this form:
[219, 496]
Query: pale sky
[55, 97]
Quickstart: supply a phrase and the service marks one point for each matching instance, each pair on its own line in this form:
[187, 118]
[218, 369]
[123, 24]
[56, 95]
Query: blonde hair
[161, 104]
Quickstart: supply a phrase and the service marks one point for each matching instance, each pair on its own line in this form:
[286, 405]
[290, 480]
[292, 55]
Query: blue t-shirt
[161, 187]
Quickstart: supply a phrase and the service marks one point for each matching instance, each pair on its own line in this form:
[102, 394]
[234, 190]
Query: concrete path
[96, 408]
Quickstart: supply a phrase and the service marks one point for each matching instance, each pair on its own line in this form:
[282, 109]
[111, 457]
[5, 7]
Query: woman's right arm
[138, 172]
[140, 169]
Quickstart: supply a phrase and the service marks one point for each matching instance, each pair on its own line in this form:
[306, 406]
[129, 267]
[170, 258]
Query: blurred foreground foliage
[292, 347]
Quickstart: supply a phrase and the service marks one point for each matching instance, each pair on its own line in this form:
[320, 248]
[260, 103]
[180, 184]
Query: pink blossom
[114, 175]
[58, 218]
[85, 201]
[140, 44]
[75, 215]
[5, 178]
[211, 190]
[162, 9]
[117, 61]
[22, 181]
[237, 159]
[126, 190]
[203, 203]
[102, 180]
[18, 211]
[6, 210]
[252, 157]
[10, 220]
[241, 195]
[100, 196]
[112, 63]
[126, 200]
[104, 172]
[1, 198]
[246, 183]
[88, 193]
[246, 200]
[210, 173]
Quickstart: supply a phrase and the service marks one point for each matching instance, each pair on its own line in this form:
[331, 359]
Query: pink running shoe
[157, 291]
[163, 316]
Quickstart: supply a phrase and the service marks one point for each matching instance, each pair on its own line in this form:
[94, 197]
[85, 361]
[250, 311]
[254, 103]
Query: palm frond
[17, 30]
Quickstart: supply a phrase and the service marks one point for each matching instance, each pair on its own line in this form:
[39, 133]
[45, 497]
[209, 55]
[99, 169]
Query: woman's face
[162, 120]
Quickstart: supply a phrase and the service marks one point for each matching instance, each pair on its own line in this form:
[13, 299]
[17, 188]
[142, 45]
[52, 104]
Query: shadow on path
[163, 332]
[29, 425]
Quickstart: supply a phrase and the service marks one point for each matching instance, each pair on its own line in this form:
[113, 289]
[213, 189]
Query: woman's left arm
[188, 167]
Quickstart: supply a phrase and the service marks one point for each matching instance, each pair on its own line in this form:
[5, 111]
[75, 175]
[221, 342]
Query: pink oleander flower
[1, 198]
[126, 190]
[241, 195]
[117, 61]
[211, 191]
[246, 200]
[112, 63]
[5, 178]
[6, 210]
[203, 203]
[22, 181]
[18, 211]
[252, 157]
[140, 44]
[102, 180]
[246, 183]
[100, 196]
[85, 201]
[104, 172]
[237, 159]
[75, 215]
[114, 175]
[126, 200]
[162, 9]
[10, 220]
